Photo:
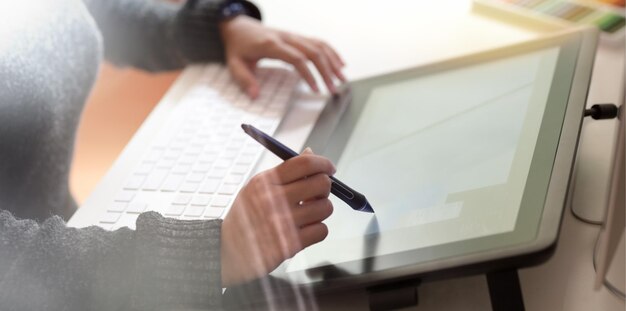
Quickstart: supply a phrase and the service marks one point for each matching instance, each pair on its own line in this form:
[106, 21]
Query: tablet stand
[393, 295]
[505, 293]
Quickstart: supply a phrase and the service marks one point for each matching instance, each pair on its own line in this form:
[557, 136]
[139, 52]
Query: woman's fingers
[244, 76]
[336, 63]
[336, 60]
[300, 167]
[308, 189]
[285, 52]
[247, 40]
[312, 212]
[334, 55]
[312, 234]
[318, 56]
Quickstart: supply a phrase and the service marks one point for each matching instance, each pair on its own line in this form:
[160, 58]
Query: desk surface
[398, 34]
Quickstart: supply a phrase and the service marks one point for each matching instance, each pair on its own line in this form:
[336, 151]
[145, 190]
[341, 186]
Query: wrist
[232, 11]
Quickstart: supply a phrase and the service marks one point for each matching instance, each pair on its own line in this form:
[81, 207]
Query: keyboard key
[154, 180]
[242, 102]
[257, 107]
[273, 112]
[202, 200]
[181, 168]
[233, 179]
[172, 182]
[194, 150]
[240, 137]
[184, 138]
[218, 173]
[162, 143]
[175, 210]
[137, 207]
[188, 159]
[210, 185]
[127, 220]
[240, 169]
[280, 99]
[153, 156]
[108, 227]
[213, 212]
[176, 148]
[135, 182]
[234, 145]
[110, 217]
[194, 211]
[117, 207]
[210, 154]
[229, 154]
[251, 150]
[223, 163]
[144, 169]
[125, 196]
[182, 199]
[220, 201]
[218, 140]
[246, 159]
[166, 163]
[172, 154]
[202, 167]
[228, 189]
[195, 177]
[189, 187]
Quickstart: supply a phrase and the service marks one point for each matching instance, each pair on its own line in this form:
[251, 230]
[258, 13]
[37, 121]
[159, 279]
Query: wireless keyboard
[200, 158]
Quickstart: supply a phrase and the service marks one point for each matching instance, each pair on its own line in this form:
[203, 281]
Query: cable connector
[602, 111]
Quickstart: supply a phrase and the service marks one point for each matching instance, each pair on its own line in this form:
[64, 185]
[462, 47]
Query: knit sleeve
[164, 264]
[158, 35]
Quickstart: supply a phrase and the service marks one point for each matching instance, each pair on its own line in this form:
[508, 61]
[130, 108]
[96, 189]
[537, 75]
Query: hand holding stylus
[354, 199]
[275, 215]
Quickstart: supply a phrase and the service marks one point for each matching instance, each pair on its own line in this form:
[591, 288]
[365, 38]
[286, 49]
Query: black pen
[357, 201]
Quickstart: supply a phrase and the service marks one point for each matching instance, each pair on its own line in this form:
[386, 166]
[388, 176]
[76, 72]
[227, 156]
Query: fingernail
[252, 92]
[333, 89]
[342, 77]
[308, 150]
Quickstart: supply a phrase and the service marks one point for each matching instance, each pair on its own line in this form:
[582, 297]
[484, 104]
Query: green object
[610, 22]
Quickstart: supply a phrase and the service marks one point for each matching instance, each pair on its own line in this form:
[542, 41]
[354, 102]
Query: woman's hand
[247, 41]
[277, 214]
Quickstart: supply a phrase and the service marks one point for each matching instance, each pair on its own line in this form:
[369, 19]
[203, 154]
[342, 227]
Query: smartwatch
[233, 8]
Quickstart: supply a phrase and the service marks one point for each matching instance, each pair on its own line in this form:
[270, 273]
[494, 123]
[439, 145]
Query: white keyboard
[201, 158]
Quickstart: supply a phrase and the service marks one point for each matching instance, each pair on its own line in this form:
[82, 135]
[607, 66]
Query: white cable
[612, 288]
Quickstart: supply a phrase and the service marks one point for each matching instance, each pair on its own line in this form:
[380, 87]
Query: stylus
[356, 200]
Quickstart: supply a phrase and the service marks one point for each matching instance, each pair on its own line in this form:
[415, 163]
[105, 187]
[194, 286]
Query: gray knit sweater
[50, 52]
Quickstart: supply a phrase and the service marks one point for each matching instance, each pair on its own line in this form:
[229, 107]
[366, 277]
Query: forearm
[166, 263]
[158, 35]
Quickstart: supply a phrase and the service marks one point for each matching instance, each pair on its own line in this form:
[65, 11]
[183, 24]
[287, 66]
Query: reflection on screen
[441, 158]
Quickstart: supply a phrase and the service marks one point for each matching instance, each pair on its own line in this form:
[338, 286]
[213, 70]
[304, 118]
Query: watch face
[232, 9]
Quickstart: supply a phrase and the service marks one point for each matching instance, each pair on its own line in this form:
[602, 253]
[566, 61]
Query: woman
[49, 57]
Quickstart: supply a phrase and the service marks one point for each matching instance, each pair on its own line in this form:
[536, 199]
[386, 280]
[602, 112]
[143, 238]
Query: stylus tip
[367, 208]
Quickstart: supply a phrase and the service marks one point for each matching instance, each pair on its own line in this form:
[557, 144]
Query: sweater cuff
[177, 265]
[197, 31]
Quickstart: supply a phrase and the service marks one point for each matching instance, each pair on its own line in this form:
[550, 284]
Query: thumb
[308, 150]
[244, 76]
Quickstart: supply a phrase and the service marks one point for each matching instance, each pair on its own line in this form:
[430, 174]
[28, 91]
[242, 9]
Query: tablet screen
[442, 158]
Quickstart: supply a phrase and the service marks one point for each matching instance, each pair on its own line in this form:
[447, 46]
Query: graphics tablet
[466, 163]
